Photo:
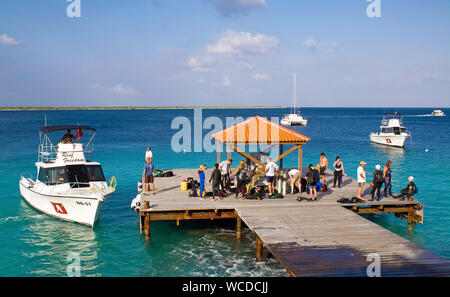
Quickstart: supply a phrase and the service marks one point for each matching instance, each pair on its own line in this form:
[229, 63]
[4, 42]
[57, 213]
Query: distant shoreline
[24, 108]
[36, 108]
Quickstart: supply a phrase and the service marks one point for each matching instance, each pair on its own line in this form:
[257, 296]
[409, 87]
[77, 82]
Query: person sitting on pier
[323, 167]
[271, 167]
[201, 175]
[295, 176]
[242, 177]
[409, 191]
[68, 137]
[225, 169]
[147, 176]
[377, 182]
[216, 181]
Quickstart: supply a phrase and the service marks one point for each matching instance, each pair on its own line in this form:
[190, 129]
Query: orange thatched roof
[259, 130]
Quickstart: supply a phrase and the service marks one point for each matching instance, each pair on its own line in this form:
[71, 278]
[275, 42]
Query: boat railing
[47, 152]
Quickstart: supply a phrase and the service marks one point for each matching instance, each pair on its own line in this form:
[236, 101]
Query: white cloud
[314, 46]
[311, 44]
[201, 64]
[241, 44]
[7, 40]
[260, 76]
[122, 89]
[226, 81]
[117, 89]
[229, 8]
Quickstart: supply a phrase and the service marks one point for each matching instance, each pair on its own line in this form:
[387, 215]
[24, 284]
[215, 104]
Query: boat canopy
[47, 129]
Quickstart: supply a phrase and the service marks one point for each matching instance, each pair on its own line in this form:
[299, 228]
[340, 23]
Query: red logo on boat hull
[388, 140]
[59, 208]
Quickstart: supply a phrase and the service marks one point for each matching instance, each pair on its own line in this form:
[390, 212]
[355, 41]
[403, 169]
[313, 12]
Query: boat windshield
[77, 175]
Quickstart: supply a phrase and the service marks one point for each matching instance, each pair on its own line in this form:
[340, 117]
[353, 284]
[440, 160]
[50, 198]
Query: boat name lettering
[83, 203]
[69, 158]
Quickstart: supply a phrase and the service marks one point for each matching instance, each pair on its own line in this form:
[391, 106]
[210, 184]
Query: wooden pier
[321, 238]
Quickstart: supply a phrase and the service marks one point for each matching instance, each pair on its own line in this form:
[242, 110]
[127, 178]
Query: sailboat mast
[295, 106]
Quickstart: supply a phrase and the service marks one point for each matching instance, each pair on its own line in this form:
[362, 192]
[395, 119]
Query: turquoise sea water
[36, 245]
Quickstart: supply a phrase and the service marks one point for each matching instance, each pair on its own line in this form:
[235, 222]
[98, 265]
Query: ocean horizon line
[44, 108]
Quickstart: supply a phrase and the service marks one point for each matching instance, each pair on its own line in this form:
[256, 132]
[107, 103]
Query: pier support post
[259, 249]
[238, 228]
[146, 206]
[147, 227]
[410, 219]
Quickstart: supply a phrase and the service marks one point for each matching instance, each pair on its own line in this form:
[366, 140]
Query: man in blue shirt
[147, 176]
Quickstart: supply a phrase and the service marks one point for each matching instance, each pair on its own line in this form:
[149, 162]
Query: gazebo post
[281, 152]
[218, 151]
[300, 158]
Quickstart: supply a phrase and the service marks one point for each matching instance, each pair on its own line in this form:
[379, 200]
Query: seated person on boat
[67, 138]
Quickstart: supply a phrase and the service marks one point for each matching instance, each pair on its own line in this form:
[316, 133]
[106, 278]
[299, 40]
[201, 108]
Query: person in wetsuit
[377, 182]
[242, 179]
[387, 178]
[338, 172]
[201, 175]
[216, 179]
[409, 191]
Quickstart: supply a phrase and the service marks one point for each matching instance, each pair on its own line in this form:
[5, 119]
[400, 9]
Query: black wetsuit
[338, 174]
[409, 191]
[241, 181]
[377, 183]
[216, 181]
[388, 183]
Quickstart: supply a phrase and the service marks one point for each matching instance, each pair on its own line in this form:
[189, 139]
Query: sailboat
[294, 119]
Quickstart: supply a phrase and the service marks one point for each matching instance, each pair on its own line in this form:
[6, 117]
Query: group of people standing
[381, 177]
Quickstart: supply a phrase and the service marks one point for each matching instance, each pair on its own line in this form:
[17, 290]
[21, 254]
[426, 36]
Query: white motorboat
[392, 132]
[294, 119]
[68, 186]
[437, 113]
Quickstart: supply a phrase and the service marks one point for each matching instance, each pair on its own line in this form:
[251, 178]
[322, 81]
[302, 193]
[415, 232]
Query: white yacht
[68, 186]
[392, 132]
[437, 113]
[295, 118]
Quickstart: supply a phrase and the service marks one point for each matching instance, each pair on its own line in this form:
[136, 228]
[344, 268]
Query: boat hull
[73, 209]
[293, 123]
[395, 141]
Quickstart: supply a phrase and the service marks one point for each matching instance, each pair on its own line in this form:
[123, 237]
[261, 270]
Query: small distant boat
[294, 119]
[68, 186]
[437, 113]
[392, 132]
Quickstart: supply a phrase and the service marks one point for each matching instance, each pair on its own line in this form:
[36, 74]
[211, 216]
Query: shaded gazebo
[260, 131]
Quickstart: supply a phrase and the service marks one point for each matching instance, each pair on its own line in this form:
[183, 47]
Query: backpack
[316, 177]
[243, 175]
[378, 177]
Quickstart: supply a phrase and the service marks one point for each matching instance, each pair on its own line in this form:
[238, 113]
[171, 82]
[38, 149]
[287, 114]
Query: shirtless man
[68, 137]
[323, 164]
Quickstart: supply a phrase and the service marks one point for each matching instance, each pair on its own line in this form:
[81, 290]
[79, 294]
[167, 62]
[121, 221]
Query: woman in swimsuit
[338, 172]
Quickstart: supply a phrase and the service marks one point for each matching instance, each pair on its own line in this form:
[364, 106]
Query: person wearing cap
[409, 191]
[361, 178]
[377, 182]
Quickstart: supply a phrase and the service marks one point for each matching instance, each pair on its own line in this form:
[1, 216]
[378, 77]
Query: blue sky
[225, 52]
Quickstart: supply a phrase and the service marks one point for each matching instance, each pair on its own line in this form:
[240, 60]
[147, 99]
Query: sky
[225, 53]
